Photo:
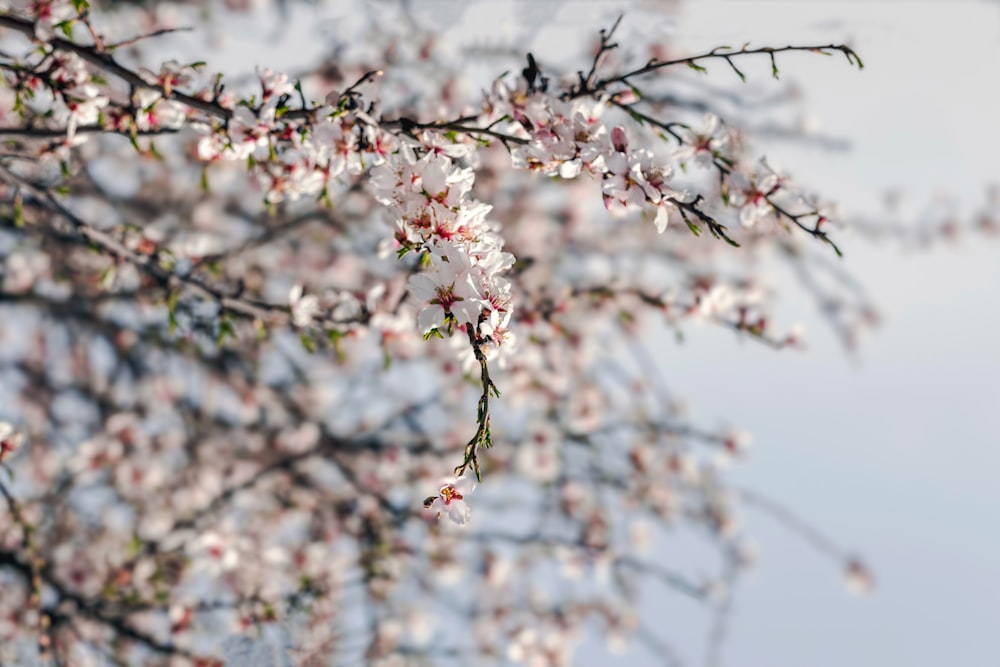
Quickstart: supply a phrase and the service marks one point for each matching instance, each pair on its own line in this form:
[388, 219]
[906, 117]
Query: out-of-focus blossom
[751, 192]
[10, 440]
[702, 145]
[304, 307]
[859, 579]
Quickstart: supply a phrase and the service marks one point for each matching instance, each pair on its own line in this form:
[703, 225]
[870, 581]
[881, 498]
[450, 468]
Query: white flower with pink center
[450, 500]
[274, 85]
[49, 14]
[702, 145]
[250, 134]
[155, 112]
[751, 192]
[445, 294]
[84, 111]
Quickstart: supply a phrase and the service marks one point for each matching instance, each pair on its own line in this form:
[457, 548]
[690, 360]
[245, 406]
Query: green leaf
[225, 331]
[696, 67]
[308, 344]
[107, 279]
[18, 210]
[172, 300]
[336, 341]
[834, 246]
[133, 137]
[134, 546]
[261, 331]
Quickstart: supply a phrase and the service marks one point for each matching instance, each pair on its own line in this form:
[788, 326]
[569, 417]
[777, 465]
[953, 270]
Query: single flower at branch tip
[858, 578]
[451, 500]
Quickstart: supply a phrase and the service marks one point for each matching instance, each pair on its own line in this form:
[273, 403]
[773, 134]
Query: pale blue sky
[894, 455]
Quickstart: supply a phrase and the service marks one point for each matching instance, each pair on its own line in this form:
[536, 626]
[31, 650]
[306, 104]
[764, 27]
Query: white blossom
[304, 307]
[451, 500]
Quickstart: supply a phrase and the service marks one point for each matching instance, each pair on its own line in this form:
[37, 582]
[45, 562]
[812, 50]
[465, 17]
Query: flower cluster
[292, 157]
[429, 196]
[568, 137]
[71, 98]
[422, 183]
